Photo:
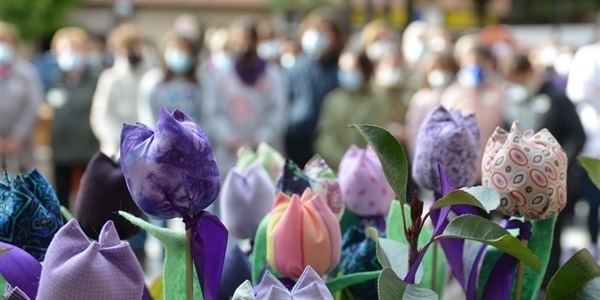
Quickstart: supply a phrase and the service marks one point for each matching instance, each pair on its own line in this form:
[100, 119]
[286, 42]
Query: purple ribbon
[503, 271]
[20, 269]
[208, 245]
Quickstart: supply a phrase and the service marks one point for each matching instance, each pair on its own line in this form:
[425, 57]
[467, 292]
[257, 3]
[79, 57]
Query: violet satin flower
[170, 171]
[529, 171]
[450, 140]
[29, 212]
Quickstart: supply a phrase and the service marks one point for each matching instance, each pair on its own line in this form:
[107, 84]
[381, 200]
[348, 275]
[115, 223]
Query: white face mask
[562, 65]
[414, 51]
[287, 60]
[389, 77]
[6, 54]
[351, 80]
[314, 43]
[378, 49]
[439, 79]
[70, 61]
[548, 56]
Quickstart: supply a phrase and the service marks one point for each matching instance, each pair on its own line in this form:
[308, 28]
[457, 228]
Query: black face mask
[134, 59]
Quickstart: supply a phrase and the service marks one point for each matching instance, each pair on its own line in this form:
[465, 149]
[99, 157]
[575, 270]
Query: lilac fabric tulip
[450, 140]
[76, 268]
[246, 198]
[171, 171]
[365, 189]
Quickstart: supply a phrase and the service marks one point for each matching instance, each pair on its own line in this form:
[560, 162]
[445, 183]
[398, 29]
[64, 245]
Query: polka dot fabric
[529, 170]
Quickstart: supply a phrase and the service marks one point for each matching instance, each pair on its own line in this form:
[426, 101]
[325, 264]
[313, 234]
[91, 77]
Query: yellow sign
[395, 17]
[467, 18]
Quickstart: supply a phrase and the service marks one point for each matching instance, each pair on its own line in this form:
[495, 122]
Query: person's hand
[11, 145]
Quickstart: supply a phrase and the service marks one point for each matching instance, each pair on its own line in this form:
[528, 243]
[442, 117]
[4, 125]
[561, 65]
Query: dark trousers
[591, 193]
[67, 178]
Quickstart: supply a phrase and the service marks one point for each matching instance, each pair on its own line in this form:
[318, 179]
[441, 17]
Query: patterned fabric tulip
[29, 213]
[171, 172]
[365, 189]
[265, 155]
[450, 140]
[76, 268]
[529, 171]
[316, 175]
[302, 231]
[246, 198]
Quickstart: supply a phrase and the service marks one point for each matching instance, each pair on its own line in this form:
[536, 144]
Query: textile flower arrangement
[302, 231]
[246, 198]
[265, 155]
[365, 189]
[316, 175]
[171, 172]
[102, 193]
[29, 212]
[450, 140]
[529, 171]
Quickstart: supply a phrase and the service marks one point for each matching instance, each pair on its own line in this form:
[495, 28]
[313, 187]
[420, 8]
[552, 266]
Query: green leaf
[592, 166]
[66, 213]
[479, 196]
[470, 227]
[391, 154]
[578, 278]
[340, 283]
[259, 253]
[392, 254]
[390, 286]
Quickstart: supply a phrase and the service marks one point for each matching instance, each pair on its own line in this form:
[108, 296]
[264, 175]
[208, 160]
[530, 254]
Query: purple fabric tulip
[20, 270]
[171, 171]
[246, 198]
[308, 286]
[76, 268]
[450, 140]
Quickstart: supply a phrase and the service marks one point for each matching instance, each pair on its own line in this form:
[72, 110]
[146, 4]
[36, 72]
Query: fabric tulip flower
[76, 268]
[316, 175]
[365, 189]
[171, 172]
[529, 171]
[302, 231]
[265, 155]
[246, 198]
[102, 193]
[29, 212]
[450, 140]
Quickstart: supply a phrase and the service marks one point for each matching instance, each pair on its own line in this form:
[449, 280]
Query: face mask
[521, 92]
[178, 61]
[562, 65]
[134, 59]
[414, 51]
[548, 56]
[6, 54]
[287, 60]
[314, 43]
[70, 61]
[438, 79]
[471, 76]
[268, 50]
[221, 60]
[389, 77]
[438, 44]
[350, 80]
[378, 49]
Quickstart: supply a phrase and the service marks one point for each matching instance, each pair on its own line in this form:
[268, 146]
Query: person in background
[440, 70]
[583, 88]
[414, 48]
[312, 77]
[269, 42]
[186, 26]
[439, 40]
[219, 59]
[354, 102]
[246, 104]
[97, 56]
[71, 94]
[288, 52]
[173, 85]
[378, 38]
[45, 63]
[115, 99]
[20, 94]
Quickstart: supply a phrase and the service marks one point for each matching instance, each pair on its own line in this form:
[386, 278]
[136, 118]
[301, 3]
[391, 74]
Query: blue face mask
[70, 61]
[6, 54]
[351, 80]
[178, 61]
[471, 76]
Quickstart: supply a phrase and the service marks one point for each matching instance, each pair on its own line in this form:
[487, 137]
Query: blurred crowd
[247, 83]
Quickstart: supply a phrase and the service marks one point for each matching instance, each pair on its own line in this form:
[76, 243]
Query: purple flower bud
[171, 171]
[451, 140]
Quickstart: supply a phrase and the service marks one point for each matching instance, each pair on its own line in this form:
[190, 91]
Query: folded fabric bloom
[102, 193]
[29, 212]
[171, 172]
[265, 155]
[302, 231]
[365, 189]
[529, 171]
[76, 268]
[246, 198]
[316, 175]
[236, 270]
[309, 287]
[20, 270]
[450, 140]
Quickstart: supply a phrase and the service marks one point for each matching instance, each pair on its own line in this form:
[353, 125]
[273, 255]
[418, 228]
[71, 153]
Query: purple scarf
[249, 72]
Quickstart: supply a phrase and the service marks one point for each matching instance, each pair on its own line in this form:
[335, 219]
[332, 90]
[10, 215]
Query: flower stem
[520, 270]
[434, 267]
[189, 276]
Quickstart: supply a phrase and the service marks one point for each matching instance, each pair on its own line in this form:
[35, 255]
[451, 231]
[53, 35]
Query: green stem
[434, 268]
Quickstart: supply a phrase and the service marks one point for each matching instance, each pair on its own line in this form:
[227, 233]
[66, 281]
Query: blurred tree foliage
[302, 6]
[36, 18]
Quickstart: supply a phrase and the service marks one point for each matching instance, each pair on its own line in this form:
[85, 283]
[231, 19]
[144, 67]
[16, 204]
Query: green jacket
[342, 108]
